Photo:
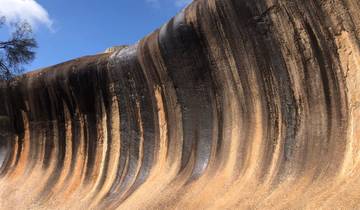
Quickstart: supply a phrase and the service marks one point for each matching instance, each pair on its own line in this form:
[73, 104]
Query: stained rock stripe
[232, 104]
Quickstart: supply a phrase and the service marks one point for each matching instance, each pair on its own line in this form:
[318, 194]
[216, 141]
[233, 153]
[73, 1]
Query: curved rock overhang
[231, 104]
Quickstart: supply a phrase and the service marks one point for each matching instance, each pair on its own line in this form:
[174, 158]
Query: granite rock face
[233, 104]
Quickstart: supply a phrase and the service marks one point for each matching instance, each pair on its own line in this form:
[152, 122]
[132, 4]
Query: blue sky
[67, 29]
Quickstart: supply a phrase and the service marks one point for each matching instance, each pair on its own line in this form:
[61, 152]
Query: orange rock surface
[233, 104]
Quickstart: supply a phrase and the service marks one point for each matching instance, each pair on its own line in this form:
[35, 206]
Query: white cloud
[182, 3]
[25, 10]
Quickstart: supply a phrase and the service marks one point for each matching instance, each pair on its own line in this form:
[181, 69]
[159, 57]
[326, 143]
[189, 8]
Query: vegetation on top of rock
[17, 50]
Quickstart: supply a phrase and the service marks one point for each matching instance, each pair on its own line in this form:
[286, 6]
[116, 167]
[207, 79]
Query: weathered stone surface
[233, 104]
